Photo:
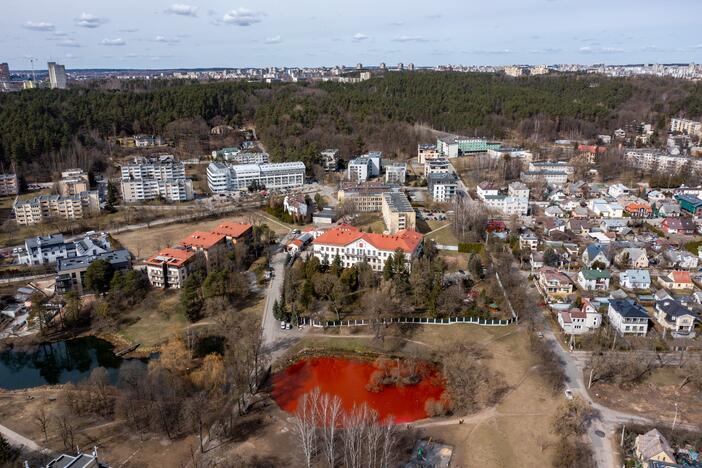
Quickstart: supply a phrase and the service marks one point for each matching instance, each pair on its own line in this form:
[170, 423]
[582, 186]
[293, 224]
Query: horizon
[196, 35]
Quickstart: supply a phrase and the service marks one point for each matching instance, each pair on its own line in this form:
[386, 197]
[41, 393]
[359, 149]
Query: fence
[408, 320]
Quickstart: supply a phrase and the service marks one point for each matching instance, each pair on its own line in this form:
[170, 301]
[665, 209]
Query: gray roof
[397, 202]
[45, 241]
[672, 309]
[628, 308]
[118, 258]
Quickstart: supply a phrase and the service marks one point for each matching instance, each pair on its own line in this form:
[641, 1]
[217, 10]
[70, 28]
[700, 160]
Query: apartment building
[454, 146]
[236, 156]
[362, 168]
[172, 190]
[398, 213]
[213, 246]
[42, 250]
[654, 159]
[427, 152]
[71, 271]
[436, 166]
[690, 127]
[552, 166]
[160, 168]
[9, 185]
[229, 178]
[73, 182]
[518, 189]
[442, 187]
[506, 204]
[234, 232]
[553, 178]
[329, 159]
[45, 207]
[366, 197]
[395, 173]
[353, 246]
[170, 267]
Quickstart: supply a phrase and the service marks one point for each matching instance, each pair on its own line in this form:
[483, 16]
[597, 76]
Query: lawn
[444, 236]
[153, 321]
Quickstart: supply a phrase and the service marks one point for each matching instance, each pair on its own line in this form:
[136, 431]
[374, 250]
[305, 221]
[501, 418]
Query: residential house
[528, 240]
[594, 280]
[635, 279]
[632, 257]
[170, 267]
[653, 447]
[296, 205]
[486, 189]
[553, 281]
[618, 190]
[579, 226]
[554, 212]
[594, 253]
[669, 210]
[678, 225]
[681, 259]
[618, 225]
[689, 204]
[536, 260]
[676, 318]
[579, 321]
[353, 246]
[639, 210]
[627, 317]
[677, 280]
[655, 196]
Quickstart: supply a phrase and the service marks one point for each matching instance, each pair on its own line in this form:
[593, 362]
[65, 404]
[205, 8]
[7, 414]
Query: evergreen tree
[336, 266]
[190, 297]
[98, 276]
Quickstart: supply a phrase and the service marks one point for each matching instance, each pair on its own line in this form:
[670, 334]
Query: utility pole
[675, 419]
[589, 384]
[621, 443]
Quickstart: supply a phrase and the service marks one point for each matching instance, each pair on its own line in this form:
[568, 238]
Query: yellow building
[398, 214]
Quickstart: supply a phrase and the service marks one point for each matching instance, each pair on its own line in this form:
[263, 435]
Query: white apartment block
[552, 166]
[362, 168]
[165, 167]
[507, 205]
[9, 184]
[395, 173]
[47, 207]
[442, 187]
[224, 178]
[691, 127]
[427, 152]
[172, 190]
[436, 166]
[518, 189]
[329, 159]
[649, 159]
[553, 178]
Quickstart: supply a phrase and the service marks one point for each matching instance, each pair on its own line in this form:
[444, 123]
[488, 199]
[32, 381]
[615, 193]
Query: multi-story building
[224, 178]
[362, 168]
[329, 159]
[519, 153]
[506, 204]
[650, 159]
[235, 232]
[594, 280]
[454, 146]
[518, 189]
[145, 141]
[627, 317]
[366, 197]
[395, 173]
[171, 267]
[551, 281]
[213, 246]
[553, 178]
[71, 271]
[398, 213]
[427, 152]
[44, 250]
[442, 187]
[57, 76]
[690, 127]
[236, 156]
[552, 166]
[45, 207]
[161, 168]
[73, 182]
[353, 246]
[579, 321]
[486, 189]
[4, 72]
[172, 190]
[436, 166]
[514, 71]
[9, 184]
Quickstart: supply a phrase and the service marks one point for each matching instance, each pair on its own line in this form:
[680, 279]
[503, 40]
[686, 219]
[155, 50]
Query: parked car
[568, 394]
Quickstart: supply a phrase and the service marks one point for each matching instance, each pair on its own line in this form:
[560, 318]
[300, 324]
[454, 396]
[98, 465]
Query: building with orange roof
[212, 245]
[354, 246]
[639, 209]
[677, 280]
[170, 267]
[234, 231]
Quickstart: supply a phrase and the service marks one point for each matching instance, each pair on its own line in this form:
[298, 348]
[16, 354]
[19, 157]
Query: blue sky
[232, 33]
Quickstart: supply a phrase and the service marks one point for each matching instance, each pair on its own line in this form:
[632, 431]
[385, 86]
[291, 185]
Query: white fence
[408, 320]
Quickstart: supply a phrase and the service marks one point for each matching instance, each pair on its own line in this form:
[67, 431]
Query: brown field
[143, 243]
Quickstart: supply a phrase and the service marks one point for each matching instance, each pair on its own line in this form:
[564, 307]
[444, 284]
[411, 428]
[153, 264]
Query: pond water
[348, 378]
[58, 363]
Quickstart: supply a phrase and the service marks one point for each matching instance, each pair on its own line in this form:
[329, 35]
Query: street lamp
[675, 419]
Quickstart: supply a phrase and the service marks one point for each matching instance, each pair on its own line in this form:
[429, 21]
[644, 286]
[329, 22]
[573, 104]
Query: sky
[261, 33]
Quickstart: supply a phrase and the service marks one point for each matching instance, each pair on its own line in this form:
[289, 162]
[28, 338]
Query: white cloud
[166, 40]
[38, 26]
[242, 17]
[68, 43]
[182, 10]
[358, 37]
[600, 50]
[410, 39]
[113, 42]
[88, 20]
[273, 40]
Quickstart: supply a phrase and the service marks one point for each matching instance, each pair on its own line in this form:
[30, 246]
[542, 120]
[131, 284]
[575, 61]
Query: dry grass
[153, 321]
[444, 236]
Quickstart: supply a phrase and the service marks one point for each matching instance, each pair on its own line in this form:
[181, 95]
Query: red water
[348, 378]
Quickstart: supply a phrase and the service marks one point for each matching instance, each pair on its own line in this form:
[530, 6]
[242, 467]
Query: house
[299, 243]
[639, 210]
[553, 281]
[579, 226]
[353, 246]
[669, 210]
[486, 189]
[617, 225]
[528, 240]
[579, 321]
[594, 253]
[635, 279]
[627, 317]
[654, 196]
[632, 257]
[681, 259]
[618, 190]
[326, 216]
[81, 460]
[677, 280]
[673, 316]
[170, 267]
[212, 245]
[554, 212]
[652, 446]
[594, 280]
[536, 260]
[678, 225]
[296, 205]
[689, 204]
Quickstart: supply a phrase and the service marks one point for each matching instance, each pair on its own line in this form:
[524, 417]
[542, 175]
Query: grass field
[155, 320]
[443, 236]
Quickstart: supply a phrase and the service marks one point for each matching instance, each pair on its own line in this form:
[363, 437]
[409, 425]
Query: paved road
[19, 440]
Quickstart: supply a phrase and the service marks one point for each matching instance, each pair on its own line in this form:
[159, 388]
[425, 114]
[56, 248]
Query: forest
[392, 112]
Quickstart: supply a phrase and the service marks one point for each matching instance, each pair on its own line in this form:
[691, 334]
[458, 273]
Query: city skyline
[211, 34]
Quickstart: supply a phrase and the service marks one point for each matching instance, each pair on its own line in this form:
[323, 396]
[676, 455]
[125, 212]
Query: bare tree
[66, 432]
[41, 419]
[305, 424]
[329, 418]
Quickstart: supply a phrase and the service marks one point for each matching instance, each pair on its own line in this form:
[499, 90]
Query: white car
[288, 326]
[282, 325]
[568, 394]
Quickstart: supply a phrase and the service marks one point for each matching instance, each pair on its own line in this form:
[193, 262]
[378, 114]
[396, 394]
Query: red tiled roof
[202, 240]
[344, 234]
[681, 276]
[232, 229]
[171, 256]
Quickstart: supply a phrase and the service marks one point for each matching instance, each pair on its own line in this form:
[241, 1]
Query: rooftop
[171, 256]
[344, 234]
[397, 202]
[232, 229]
[202, 240]
[121, 256]
[628, 308]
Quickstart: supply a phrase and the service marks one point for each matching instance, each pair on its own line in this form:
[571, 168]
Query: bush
[470, 247]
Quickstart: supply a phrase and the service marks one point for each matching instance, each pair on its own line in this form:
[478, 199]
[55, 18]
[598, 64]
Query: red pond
[347, 379]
